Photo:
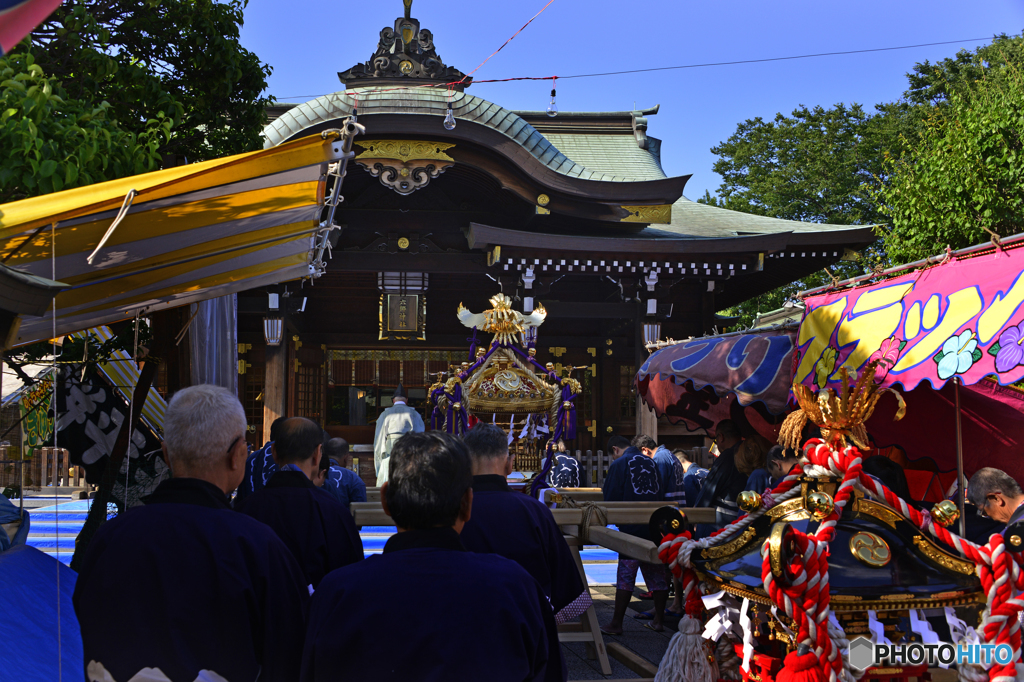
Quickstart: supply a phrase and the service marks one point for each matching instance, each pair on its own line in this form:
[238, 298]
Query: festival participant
[565, 470]
[633, 477]
[340, 481]
[617, 445]
[259, 466]
[315, 526]
[475, 616]
[724, 482]
[519, 527]
[693, 477]
[775, 465]
[996, 495]
[392, 424]
[211, 594]
[670, 470]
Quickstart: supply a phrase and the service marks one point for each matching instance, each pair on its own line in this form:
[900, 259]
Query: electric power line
[684, 66]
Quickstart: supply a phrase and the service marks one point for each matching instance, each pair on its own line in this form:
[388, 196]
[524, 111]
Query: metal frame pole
[961, 484]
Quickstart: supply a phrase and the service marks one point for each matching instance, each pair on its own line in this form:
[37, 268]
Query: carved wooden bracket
[404, 165]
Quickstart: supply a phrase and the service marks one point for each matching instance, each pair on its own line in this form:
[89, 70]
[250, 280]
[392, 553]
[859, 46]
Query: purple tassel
[540, 481]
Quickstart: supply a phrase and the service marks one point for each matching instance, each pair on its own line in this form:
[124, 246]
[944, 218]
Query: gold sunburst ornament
[838, 414]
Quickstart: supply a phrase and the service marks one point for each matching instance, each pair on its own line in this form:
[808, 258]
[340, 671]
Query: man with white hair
[184, 586]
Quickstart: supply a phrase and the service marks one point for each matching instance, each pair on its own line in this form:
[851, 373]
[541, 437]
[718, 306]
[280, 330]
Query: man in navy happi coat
[518, 527]
[670, 469]
[341, 481]
[317, 528]
[633, 477]
[259, 466]
[473, 616]
[185, 584]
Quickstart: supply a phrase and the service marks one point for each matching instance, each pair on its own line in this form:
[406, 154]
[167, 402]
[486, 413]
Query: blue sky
[308, 41]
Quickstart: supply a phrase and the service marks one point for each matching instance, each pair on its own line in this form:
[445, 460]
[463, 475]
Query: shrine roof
[692, 220]
[597, 156]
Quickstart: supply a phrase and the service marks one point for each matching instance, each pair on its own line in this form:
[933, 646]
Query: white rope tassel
[127, 204]
[686, 659]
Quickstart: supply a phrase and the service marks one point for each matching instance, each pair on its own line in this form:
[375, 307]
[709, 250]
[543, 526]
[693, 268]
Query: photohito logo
[864, 654]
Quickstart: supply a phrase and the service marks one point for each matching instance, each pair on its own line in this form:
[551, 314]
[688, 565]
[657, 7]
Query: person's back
[392, 424]
[565, 471]
[259, 467]
[208, 589]
[462, 615]
[343, 483]
[633, 477]
[317, 528]
[518, 527]
[670, 469]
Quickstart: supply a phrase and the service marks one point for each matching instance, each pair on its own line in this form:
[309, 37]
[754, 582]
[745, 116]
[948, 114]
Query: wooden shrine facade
[573, 212]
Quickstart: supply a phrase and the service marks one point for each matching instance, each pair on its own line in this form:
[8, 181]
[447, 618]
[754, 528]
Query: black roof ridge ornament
[405, 55]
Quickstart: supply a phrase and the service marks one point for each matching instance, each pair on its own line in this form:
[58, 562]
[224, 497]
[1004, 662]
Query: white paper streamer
[748, 634]
[877, 629]
[957, 628]
[920, 625]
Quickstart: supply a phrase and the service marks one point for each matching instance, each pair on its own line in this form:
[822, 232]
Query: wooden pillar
[646, 421]
[275, 386]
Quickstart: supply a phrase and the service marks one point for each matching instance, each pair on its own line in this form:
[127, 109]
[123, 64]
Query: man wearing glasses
[996, 495]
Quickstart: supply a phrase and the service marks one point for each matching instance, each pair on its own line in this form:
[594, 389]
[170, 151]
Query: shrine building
[573, 212]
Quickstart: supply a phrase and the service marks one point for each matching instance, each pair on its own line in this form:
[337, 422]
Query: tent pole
[961, 484]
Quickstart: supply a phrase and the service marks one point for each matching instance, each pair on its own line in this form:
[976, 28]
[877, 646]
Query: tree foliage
[181, 58]
[963, 180]
[816, 165]
[943, 164]
[52, 142]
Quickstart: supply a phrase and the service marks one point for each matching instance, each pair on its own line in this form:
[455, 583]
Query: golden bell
[945, 513]
[748, 500]
[820, 505]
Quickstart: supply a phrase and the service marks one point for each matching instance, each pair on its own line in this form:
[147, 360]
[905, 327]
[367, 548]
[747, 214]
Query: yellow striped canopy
[193, 232]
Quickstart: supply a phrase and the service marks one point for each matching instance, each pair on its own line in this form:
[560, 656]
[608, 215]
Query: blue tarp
[9, 514]
[32, 650]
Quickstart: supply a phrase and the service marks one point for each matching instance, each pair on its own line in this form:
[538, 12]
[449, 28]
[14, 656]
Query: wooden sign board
[403, 317]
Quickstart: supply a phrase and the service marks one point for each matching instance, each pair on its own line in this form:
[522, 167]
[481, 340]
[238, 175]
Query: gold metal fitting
[945, 513]
[532, 352]
[748, 500]
[1015, 540]
[550, 367]
[820, 504]
[456, 406]
[567, 405]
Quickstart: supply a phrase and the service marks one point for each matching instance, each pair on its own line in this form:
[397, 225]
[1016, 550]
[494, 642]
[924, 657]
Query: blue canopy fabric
[35, 611]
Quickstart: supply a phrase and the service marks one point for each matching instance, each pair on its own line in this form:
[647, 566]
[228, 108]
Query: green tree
[816, 165]
[963, 179]
[52, 142]
[179, 58]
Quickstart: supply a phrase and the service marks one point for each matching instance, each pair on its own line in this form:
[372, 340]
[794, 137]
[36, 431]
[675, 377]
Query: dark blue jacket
[520, 528]
[693, 481]
[427, 610]
[670, 470]
[187, 584]
[633, 477]
[317, 528]
[345, 485]
[259, 467]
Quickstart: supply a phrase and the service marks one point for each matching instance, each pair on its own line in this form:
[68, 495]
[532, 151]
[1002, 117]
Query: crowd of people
[249, 566]
[273, 584]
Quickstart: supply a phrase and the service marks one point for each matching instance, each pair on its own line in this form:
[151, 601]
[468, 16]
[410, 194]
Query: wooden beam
[365, 261]
[632, 660]
[623, 543]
